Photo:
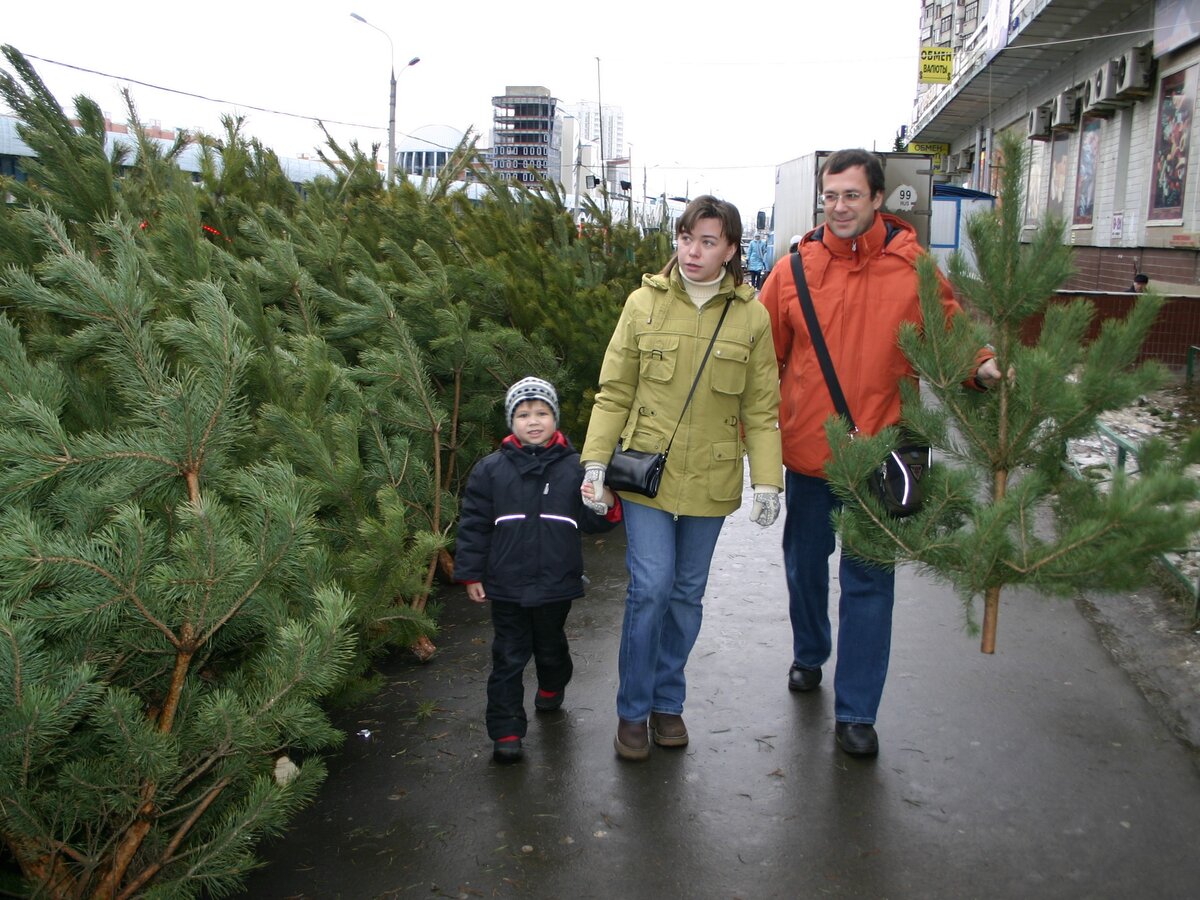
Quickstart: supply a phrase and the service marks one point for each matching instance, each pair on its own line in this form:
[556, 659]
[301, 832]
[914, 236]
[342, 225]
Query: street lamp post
[600, 116]
[391, 160]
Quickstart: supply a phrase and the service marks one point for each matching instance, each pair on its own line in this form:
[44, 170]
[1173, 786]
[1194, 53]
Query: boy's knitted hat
[529, 389]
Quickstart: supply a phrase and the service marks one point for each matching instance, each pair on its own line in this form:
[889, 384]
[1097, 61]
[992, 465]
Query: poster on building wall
[1085, 177]
[1176, 22]
[1172, 145]
[1035, 193]
[1058, 174]
[992, 176]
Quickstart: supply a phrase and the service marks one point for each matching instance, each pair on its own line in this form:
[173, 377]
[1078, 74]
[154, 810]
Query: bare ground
[1154, 633]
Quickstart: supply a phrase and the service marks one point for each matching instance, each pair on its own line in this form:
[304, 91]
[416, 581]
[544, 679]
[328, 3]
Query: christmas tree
[1003, 509]
[168, 615]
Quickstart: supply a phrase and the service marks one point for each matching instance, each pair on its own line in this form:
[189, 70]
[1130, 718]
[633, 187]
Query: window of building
[10, 166]
[970, 17]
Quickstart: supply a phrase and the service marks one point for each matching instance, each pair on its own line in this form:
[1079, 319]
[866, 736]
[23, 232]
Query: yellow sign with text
[937, 65]
[934, 149]
[930, 147]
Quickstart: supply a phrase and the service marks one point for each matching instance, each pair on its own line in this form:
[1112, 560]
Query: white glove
[765, 509]
[593, 474]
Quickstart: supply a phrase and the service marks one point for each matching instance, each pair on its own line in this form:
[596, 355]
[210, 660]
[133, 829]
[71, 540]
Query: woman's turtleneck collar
[700, 292]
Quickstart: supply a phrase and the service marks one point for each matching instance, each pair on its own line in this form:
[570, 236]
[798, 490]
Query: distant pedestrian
[794, 243]
[1140, 282]
[758, 260]
[649, 386]
[519, 547]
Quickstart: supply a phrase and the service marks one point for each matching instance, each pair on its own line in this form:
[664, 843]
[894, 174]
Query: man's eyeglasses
[850, 198]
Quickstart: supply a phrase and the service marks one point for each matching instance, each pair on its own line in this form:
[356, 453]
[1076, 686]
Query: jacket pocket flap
[731, 351]
[723, 451]
[654, 340]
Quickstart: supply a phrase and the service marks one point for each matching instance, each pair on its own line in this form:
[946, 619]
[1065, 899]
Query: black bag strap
[699, 371]
[818, 340]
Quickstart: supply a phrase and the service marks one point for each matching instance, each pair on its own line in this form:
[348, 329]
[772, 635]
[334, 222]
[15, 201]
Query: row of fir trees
[234, 421]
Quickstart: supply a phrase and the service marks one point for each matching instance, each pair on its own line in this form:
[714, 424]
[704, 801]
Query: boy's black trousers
[521, 632]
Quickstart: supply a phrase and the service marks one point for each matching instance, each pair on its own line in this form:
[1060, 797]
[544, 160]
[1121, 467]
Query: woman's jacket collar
[674, 284]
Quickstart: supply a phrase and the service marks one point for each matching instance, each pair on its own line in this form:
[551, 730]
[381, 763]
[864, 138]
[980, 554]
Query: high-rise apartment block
[534, 136]
[596, 121]
[526, 134]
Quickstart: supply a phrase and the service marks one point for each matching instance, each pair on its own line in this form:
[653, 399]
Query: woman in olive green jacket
[648, 370]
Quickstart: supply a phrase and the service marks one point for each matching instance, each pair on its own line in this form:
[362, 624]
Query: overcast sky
[715, 95]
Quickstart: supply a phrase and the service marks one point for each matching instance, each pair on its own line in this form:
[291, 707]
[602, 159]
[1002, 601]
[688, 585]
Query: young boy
[518, 545]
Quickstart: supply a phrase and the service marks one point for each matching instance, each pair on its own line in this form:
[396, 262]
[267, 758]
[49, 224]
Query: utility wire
[159, 87]
[1079, 40]
[234, 103]
[318, 119]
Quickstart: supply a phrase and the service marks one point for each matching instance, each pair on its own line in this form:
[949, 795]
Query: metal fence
[1125, 449]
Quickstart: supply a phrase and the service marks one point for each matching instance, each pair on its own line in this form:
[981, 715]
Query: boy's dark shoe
[632, 741]
[507, 749]
[803, 679]
[548, 701]
[857, 738]
[668, 730]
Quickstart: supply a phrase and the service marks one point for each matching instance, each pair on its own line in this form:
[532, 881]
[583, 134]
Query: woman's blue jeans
[668, 559]
[868, 594]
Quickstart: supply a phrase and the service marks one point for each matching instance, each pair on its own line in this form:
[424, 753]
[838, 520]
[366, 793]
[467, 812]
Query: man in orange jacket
[860, 270]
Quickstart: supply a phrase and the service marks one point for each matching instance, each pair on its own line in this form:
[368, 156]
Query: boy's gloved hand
[593, 478]
[765, 509]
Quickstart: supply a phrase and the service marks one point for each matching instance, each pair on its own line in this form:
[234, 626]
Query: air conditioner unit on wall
[1100, 90]
[1132, 72]
[1039, 123]
[1065, 111]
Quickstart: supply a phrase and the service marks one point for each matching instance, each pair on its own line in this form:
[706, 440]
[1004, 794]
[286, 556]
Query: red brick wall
[1113, 268]
[1176, 329]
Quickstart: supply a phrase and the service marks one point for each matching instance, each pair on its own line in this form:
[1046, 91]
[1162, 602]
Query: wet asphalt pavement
[1038, 772]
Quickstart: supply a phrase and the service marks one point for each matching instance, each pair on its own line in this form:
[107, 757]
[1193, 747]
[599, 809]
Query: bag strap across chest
[818, 341]
[699, 371]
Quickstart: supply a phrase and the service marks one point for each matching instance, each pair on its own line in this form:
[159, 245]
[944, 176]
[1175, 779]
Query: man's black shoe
[548, 701]
[802, 679]
[857, 738]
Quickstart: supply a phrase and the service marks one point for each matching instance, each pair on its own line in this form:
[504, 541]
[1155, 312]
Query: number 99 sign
[902, 199]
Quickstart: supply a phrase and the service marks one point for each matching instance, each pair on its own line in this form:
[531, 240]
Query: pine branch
[168, 852]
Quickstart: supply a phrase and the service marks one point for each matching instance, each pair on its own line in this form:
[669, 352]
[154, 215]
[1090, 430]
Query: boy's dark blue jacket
[521, 519]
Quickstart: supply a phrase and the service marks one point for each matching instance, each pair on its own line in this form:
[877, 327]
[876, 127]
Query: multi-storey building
[1105, 93]
[526, 134]
[602, 125]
